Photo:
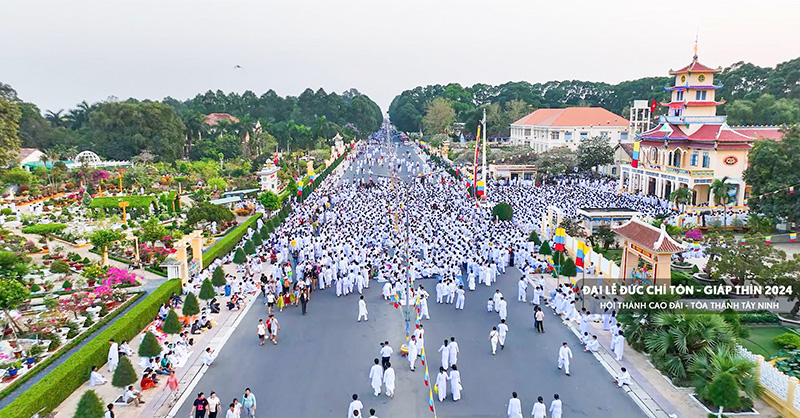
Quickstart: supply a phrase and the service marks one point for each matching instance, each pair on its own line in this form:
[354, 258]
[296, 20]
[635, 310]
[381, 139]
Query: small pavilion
[646, 253]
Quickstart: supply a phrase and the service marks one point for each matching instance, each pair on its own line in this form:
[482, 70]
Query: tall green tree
[9, 132]
[439, 116]
[774, 166]
[594, 152]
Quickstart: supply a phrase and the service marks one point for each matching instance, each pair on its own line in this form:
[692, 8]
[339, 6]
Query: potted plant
[13, 368]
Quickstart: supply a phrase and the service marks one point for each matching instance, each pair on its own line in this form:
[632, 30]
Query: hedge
[225, 244]
[112, 202]
[59, 384]
[41, 229]
[69, 346]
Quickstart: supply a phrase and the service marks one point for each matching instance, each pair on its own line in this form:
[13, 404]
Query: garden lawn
[760, 340]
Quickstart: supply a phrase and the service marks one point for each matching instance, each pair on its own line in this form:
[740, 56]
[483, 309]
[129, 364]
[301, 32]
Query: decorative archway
[653, 246]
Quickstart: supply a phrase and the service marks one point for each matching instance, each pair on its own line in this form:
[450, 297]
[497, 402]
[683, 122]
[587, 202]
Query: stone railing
[780, 390]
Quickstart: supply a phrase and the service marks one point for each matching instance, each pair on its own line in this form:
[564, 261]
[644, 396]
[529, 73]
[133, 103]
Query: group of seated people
[199, 325]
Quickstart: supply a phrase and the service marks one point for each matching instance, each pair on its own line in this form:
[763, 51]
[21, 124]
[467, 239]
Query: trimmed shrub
[124, 374]
[149, 346]
[190, 305]
[172, 325]
[787, 340]
[257, 239]
[249, 247]
[207, 290]
[534, 238]
[569, 269]
[218, 277]
[545, 249]
[239, 257]
[42, 229]
[90, 406]
[502, 211]
[59, 267]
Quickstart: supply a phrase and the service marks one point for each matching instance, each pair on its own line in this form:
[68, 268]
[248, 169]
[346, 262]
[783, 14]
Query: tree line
[171, 129]
[754, 95]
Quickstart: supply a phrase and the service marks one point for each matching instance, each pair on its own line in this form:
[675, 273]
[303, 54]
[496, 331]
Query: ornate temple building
[692, 145]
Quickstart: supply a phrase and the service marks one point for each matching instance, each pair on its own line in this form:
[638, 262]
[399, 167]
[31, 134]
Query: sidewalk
[157, 399]
[651, 390]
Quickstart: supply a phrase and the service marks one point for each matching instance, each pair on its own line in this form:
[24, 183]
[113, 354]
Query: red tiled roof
[719, 133]
[695, 67]
[213, 119]
[763, 132]
[648, 236]
[573, 116]
[26, 152]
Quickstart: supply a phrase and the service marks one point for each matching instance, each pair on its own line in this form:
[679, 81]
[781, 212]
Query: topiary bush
[502, 211]
[172, 324]
[206, 290]
[90, 406]
[568, 268]
[124, 374]
[150, 346]
[190, 306]
[218, 277]
[239, 257]
[534, 238]
[249, 248]
[545, 249]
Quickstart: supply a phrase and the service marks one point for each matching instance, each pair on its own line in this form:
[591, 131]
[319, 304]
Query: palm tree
[79, 116]
[720, 188]
[681, 197]
[705, 368]
[56, 119]
[677, 338]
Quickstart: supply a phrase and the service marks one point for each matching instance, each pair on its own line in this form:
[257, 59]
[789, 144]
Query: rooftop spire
[696, 35]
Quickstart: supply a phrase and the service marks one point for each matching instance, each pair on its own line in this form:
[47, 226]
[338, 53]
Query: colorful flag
[791, 189]
[792, 237]
[744, 202]
[635, 156]
[560, 239]
[697, 246]
[768, 239]
[653, 106]
[481, 188]
[741, 241]
[580, 255]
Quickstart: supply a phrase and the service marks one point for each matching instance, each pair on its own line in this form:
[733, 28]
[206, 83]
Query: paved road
[323, 358]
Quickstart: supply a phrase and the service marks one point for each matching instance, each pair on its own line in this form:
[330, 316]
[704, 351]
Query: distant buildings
[545, 129]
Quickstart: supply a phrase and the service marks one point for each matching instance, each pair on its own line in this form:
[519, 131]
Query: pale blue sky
[56, 53]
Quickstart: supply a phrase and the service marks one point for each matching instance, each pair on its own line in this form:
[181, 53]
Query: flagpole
[483, 122]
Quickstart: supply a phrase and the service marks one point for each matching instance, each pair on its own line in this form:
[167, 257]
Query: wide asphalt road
[323, 358]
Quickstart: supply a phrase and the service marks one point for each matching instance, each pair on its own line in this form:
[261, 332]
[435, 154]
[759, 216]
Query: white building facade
[546, 129]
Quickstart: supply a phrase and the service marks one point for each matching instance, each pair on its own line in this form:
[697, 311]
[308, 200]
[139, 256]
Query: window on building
[527, 131]
[677, 112]
[706, 160]
[700, 95]
[568, 136]
[604, 134]
[695, 155]
[679, 96]
[676, 159]
[584, 135]
[623, 136]
[613, 171]
[554, 135]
